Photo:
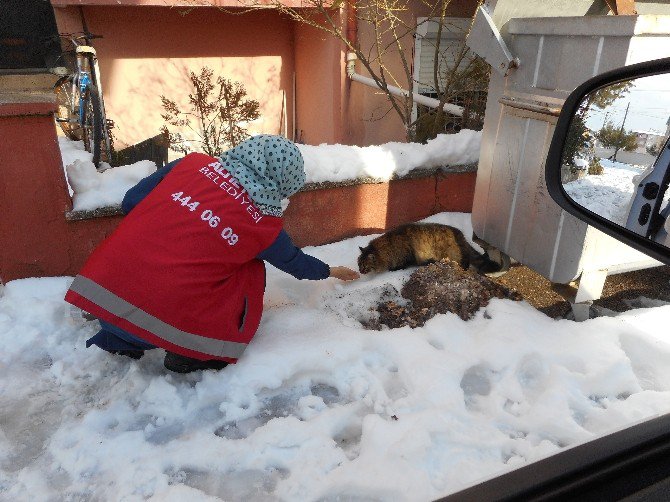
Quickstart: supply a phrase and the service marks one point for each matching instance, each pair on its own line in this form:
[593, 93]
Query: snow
[71, 151]
[92, 189]
[581, 163]
[341, 163]
[317, 408]
[608, 194]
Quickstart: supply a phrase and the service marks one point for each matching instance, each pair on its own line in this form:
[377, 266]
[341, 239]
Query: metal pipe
[352, 38]
[397, 91]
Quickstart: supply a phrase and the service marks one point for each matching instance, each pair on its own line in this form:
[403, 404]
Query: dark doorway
[28, 35]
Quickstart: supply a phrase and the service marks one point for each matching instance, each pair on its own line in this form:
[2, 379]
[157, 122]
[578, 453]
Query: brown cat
[420, 244]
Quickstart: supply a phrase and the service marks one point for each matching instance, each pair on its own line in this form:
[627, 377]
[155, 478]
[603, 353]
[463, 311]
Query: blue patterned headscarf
[270, 168]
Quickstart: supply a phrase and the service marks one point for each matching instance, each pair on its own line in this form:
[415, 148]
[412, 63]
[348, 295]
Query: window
[462, 77]
[28, 35]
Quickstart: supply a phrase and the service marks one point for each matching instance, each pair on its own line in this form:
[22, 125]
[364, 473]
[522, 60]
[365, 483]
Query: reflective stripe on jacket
[180, 271]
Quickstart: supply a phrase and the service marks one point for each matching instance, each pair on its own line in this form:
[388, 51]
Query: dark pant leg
[113, 338]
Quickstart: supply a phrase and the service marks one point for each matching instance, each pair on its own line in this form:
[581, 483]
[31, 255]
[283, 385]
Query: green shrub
[595, 167]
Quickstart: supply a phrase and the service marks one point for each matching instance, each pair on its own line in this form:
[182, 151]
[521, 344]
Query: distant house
[648, 140]
[296, 72]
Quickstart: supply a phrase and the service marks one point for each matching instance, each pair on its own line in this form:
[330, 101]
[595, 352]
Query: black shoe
[133, 354]
[182, 364]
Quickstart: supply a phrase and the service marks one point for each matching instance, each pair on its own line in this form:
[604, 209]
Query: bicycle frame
[81, 74]
[84, 77]
[84, 80]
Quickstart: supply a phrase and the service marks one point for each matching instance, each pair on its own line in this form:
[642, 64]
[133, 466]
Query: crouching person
[184, 269]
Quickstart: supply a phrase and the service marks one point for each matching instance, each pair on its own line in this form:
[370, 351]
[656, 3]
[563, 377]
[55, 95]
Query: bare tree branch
[385, 56]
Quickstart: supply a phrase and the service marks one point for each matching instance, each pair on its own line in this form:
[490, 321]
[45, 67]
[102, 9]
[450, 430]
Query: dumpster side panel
[512, 209]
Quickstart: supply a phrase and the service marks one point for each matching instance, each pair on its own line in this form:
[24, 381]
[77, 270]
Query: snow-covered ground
[608, 194]
[92, 189]
[317, 408]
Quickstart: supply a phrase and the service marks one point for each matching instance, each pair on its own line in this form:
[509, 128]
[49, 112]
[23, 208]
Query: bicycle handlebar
[79, 35]
[87, 36]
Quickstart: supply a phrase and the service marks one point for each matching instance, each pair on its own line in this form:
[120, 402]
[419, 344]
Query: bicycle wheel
[67, 113]
[92, 123]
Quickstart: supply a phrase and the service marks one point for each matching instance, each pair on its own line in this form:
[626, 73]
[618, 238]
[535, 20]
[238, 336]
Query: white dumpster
[512, 209]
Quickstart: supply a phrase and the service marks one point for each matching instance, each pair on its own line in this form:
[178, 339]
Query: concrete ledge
[592, 26]
[88, 214]
[27, 94]
[326, 212]
[24, 104]
[414, 174]
[27, 81]
[115, 210]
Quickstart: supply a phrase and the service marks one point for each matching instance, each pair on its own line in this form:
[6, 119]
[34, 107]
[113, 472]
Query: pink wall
[35, 238]
[370, 119]
[319, 83]
[147, 51]
[374, 208]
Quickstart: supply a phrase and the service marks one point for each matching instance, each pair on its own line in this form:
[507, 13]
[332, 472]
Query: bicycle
[81, 109]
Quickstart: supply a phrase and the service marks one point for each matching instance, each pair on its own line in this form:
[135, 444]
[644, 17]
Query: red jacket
[180, 270]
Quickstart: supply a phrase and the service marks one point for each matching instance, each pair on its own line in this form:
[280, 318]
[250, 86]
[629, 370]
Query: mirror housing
[555, 159]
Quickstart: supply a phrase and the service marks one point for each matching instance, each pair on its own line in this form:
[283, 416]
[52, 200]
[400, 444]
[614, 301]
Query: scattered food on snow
[438, 288]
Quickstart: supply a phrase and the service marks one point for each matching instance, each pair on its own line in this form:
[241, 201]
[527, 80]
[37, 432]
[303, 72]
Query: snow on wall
[91, 189]
[341, 162]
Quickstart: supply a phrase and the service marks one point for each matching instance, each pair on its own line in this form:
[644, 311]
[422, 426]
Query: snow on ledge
[91, 189]
[325, 165]
[337, 163]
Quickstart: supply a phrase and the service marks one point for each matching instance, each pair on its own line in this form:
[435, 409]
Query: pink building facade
[296, 72]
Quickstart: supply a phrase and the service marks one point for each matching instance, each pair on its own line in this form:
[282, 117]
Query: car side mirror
[609, 159]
